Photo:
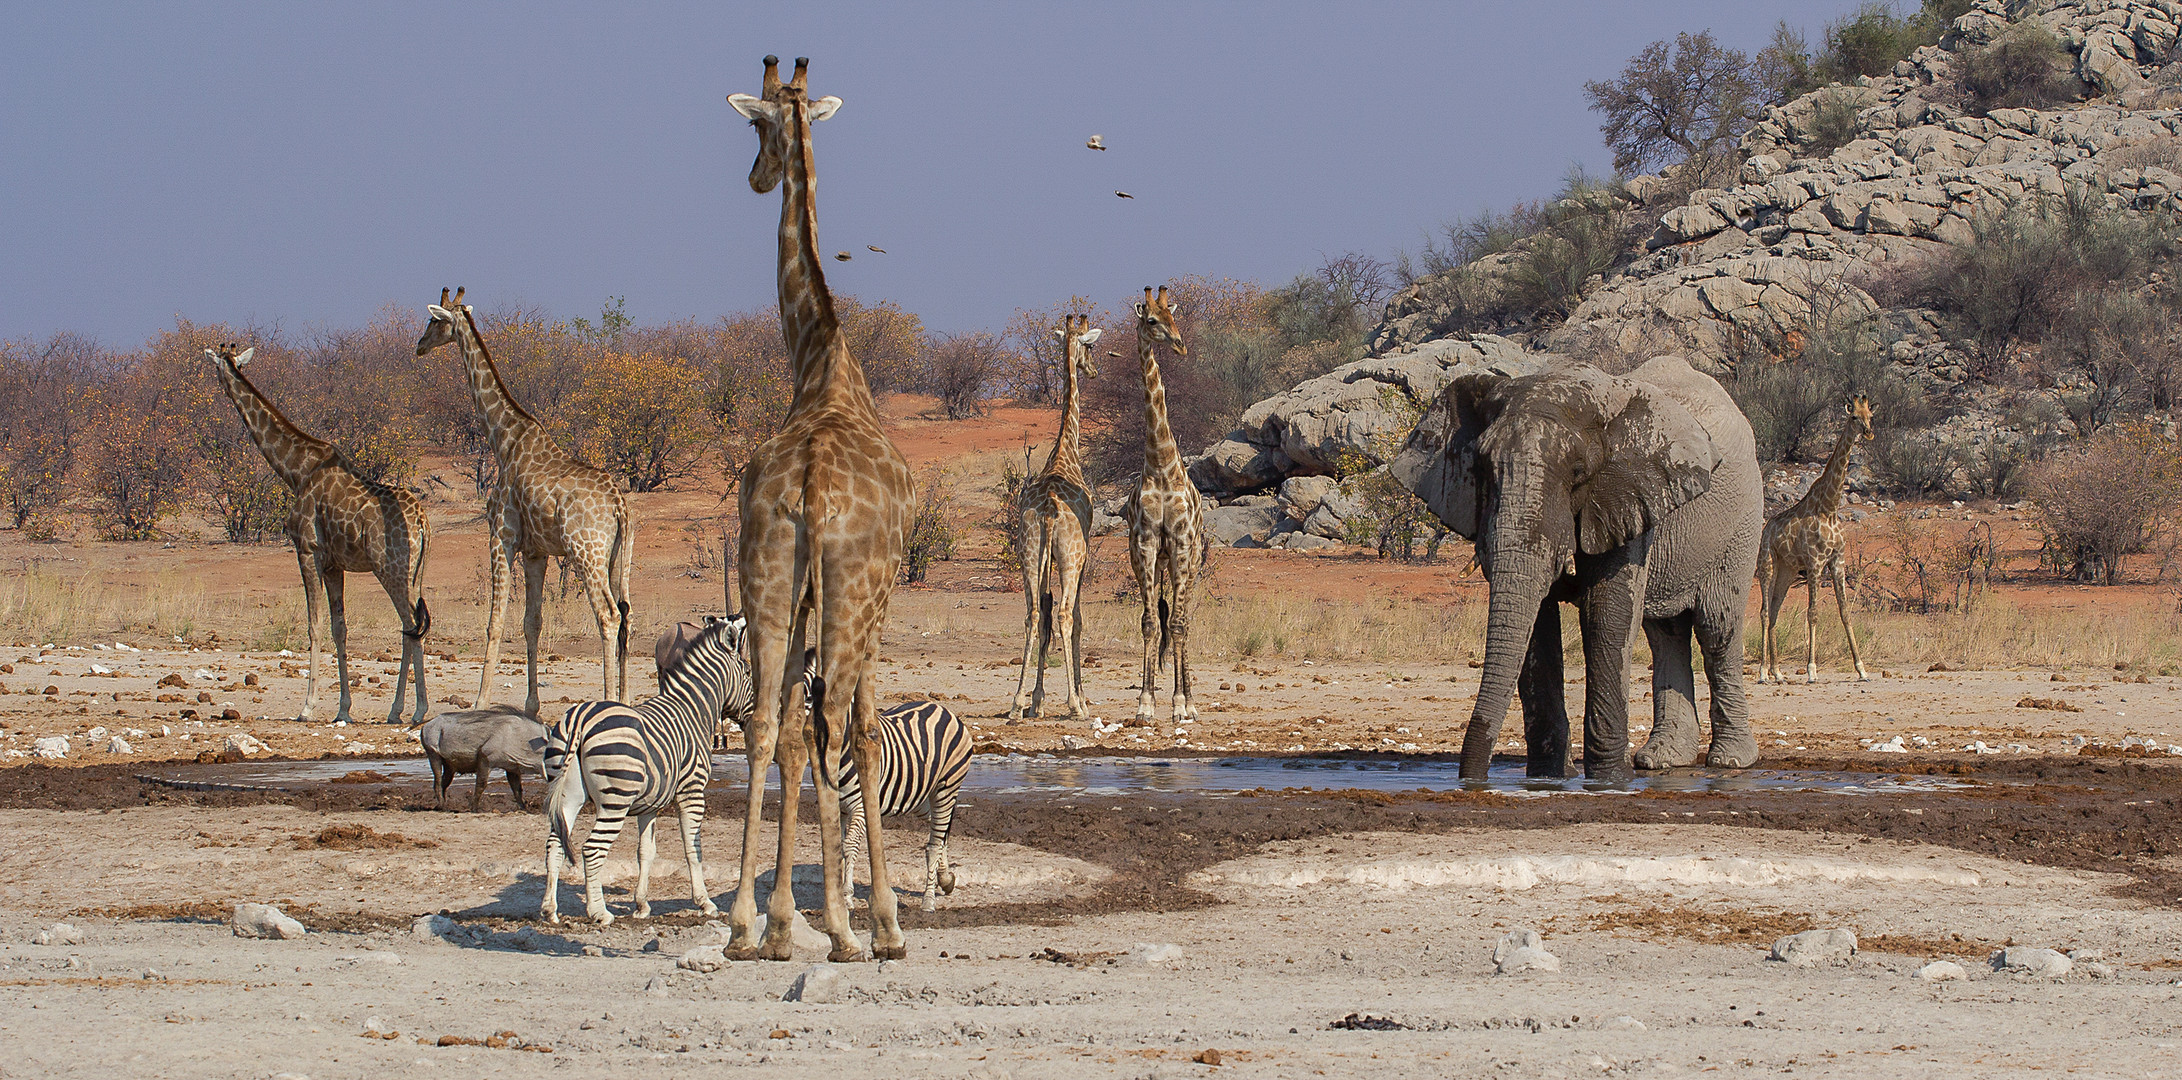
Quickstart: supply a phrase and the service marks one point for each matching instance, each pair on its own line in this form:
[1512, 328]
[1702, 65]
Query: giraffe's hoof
[782, 949]
[889, 952]
[743, 953]
[643, 911]
[850, 955]
[601, 916]
[1015, 713]
[708, 907]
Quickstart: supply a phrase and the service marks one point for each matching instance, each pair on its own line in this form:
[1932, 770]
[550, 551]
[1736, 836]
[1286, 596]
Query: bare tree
[961, 368]
[1682, 102]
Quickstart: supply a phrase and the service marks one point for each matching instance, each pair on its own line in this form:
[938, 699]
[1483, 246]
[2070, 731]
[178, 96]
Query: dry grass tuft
[1276, 626]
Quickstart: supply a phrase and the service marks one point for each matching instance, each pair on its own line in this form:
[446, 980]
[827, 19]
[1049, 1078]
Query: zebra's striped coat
[640, 760]
[926, 750]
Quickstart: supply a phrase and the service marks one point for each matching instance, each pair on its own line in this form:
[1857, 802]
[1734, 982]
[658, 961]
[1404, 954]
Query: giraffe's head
[225, 354]
[1155, 318]
[1860, 417]
[441, 329]
[785, 109]
[1077, 336]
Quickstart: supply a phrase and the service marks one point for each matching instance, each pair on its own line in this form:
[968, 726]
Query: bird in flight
[1096, 142]
[880, 250]
[843, 256]
[1125, 195]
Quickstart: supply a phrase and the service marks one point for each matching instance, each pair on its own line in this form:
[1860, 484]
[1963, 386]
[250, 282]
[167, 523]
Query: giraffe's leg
[1841, 604]
[394, 589]
[887, 942]
[603, 607]
[1765, 620]
[793, 753]
[832, 862]
[1066, 614]
[338, 617]
[534, 569]
[1776, 595]
[1144, 562]
[1810, 625]
[647, 849]
[500, 555]
[765, 576]
[690, 808]
[314, 587]
[1034, 598]
[1184, 577]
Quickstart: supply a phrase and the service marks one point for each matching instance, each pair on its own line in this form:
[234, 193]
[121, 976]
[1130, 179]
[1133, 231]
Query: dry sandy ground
[1394, 926]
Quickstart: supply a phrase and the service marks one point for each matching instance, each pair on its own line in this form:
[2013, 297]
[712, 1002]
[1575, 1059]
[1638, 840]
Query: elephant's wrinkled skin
[1616, 494]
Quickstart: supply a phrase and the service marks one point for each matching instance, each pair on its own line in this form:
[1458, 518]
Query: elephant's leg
[1545, 705]
[1720, 638]
[1609, 613]
[1674, 738]
[1841, 604]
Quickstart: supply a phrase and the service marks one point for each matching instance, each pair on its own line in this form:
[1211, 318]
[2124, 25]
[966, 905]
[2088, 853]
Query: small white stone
[1522, 937]
[1942, 971]
[265, 921]
[1621, 1023]
[119, 745]
[58, 934]
[1147, 954]
[702, 959]
[1813, 948]
[818, 985]
[2040, 963]
[1526, 959]
[52, 746]
[433, 928]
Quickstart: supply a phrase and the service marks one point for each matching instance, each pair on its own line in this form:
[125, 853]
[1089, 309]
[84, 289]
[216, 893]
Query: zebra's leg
[935, 856]
[852, 815]
[943, 824]
[691, 809]
[647, 847]
[563, 801]
[605, 829]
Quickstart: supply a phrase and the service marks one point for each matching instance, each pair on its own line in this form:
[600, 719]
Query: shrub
[41, 420]
[241, 491]
[932, 529]
[144, 425]
[1833, 122]
[2108, 352]
[2106, 498]
[2023, 68]
[961, 369]
[1007, 522]
[642, 417]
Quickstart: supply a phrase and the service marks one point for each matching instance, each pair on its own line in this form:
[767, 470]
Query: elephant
[1619, 494]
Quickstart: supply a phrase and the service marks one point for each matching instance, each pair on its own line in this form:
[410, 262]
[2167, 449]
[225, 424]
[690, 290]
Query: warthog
[479, 741]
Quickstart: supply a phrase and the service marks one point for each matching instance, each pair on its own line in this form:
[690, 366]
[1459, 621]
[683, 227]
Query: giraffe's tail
[423, 618]
[1165, 622]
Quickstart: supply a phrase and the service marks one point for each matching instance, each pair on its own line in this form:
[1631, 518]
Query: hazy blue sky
[308, 163]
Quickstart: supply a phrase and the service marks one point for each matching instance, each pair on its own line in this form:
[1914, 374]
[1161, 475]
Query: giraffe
[826, 506]
[1806, 541]
[1056, 537]
[342, 524]
[1166, 522]
[544, 505]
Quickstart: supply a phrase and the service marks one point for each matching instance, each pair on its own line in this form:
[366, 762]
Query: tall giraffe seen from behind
[342, 524]
[1805, 541]
[1166, 522]
[826, 507]
[544, 504]
[1055, 509]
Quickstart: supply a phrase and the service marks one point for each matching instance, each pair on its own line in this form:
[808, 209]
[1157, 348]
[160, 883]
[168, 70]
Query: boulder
[265, 921]
[1686, 223]
[1300, 495]
[1239, 526]
[1813, 948]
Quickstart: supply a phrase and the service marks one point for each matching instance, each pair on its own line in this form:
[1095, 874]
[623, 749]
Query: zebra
[926, 749]
[641, 760]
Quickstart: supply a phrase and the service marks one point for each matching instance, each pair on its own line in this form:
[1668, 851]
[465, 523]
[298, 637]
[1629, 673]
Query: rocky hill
[1833, 188]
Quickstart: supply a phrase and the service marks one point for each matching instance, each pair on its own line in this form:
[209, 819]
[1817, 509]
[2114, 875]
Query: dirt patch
[1742, 927]
[363, 776]
[359, 838]
[200, 912]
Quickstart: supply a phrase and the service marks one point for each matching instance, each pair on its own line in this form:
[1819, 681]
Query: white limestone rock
[2036, 963]
[819, 984]
[265, 921]
[58, 934]
[1816, 948]
[1942, 971]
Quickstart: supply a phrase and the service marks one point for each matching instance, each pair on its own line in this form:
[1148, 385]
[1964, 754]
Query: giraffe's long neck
[821, 366]
[1824, 498]
[1067, 456]
[292, 454]
[505, 421]
[1161, 456]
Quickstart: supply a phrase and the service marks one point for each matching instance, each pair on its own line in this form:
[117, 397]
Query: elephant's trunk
[1517, 581]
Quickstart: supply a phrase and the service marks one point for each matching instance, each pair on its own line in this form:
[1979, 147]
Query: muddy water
[1024, 774]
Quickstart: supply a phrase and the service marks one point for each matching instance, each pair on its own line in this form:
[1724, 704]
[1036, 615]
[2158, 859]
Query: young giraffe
[543, 505]
[1166, 522]
[826, 507]
[1056, 537]
[342, 524]
[1804, 542]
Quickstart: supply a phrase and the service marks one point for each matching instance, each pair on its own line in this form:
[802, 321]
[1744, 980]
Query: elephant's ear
[1439, 463]
[1658, 457]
